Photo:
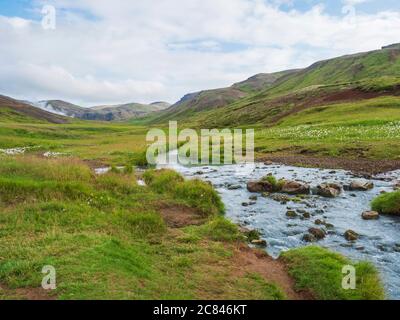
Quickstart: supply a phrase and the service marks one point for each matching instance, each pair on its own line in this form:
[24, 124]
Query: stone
[309, 238]
[259, 186]
[234, 187]
[253, 198]
[319, 234]
[370, 215]
[291, 214]
[259, 243]
[351, 235]
[280, 197]
[360, 186]
[328, 190]
[306, 215]
[295, 188]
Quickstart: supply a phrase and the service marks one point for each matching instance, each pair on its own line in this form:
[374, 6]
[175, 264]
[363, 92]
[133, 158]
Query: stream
[379, 240]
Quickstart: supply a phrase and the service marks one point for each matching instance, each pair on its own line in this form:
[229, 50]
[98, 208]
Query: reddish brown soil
[181, 216]
[27, 293]
[248, 260]
[358, 166]
[327, 98]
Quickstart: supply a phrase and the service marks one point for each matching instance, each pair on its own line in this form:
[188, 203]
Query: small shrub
[388, 203]
[221, 229]
[200, 195]
[252, 235]
[140, 159]
[117, 183]
[162, 180]
[276, 184]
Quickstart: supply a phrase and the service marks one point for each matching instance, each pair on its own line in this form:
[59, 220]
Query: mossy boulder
[328, 190]
[295, 188]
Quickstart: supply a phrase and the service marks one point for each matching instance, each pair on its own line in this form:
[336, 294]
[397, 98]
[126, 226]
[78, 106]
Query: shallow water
[379, 239]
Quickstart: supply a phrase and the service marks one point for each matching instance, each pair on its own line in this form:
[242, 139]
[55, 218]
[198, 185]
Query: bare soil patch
[27, 293]
[327, 98]
[359, 166]
[180, 216]
[248, 260]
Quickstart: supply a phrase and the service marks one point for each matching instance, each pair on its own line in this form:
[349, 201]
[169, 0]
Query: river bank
[379, 241]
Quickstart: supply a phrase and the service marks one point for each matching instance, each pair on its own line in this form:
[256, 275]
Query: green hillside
[345, 79]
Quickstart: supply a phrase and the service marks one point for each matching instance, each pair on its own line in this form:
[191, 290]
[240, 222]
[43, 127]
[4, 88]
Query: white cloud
[118, 51]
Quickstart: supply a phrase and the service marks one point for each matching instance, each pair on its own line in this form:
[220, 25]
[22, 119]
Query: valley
[200, 232]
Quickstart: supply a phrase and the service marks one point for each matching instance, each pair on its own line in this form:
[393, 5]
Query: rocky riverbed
[289, 221]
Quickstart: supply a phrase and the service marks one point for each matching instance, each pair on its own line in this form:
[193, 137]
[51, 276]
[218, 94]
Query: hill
[100, 113]
[206, 100]
[18, 111]
[350, 78]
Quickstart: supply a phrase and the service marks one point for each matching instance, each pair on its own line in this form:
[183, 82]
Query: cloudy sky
[115, 51]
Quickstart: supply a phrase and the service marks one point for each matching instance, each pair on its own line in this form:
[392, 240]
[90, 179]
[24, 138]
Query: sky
[120, 51]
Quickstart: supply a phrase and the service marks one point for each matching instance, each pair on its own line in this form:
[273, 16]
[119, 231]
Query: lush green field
[109, 238]
[103, 142]
[371, 127]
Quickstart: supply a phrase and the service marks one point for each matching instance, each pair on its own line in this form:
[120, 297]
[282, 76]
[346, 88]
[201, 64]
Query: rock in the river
[260, 243]
[259, 186]
[328, 190]
[234, 187]
[280, 197]
[306, 215]
[253, 198]
[351, 235]
[309, 238]
[370, 215]
[294, 187]
[360, 186]
[291, 214]
[319, 234]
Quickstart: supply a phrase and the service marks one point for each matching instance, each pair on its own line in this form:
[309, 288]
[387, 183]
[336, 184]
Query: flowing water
[379, 240]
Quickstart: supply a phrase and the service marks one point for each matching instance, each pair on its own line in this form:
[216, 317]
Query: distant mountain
[217, 98]
[124, 111]
[61, 108]
[20, 111]
[100, 113]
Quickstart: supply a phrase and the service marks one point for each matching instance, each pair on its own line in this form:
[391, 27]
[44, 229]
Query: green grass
[319, 271]
[194, 193]
[276, 184]
[107, 239]
[333, 130]
[388, 203]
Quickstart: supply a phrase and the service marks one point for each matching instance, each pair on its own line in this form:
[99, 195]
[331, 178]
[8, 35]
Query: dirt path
[247, 260]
